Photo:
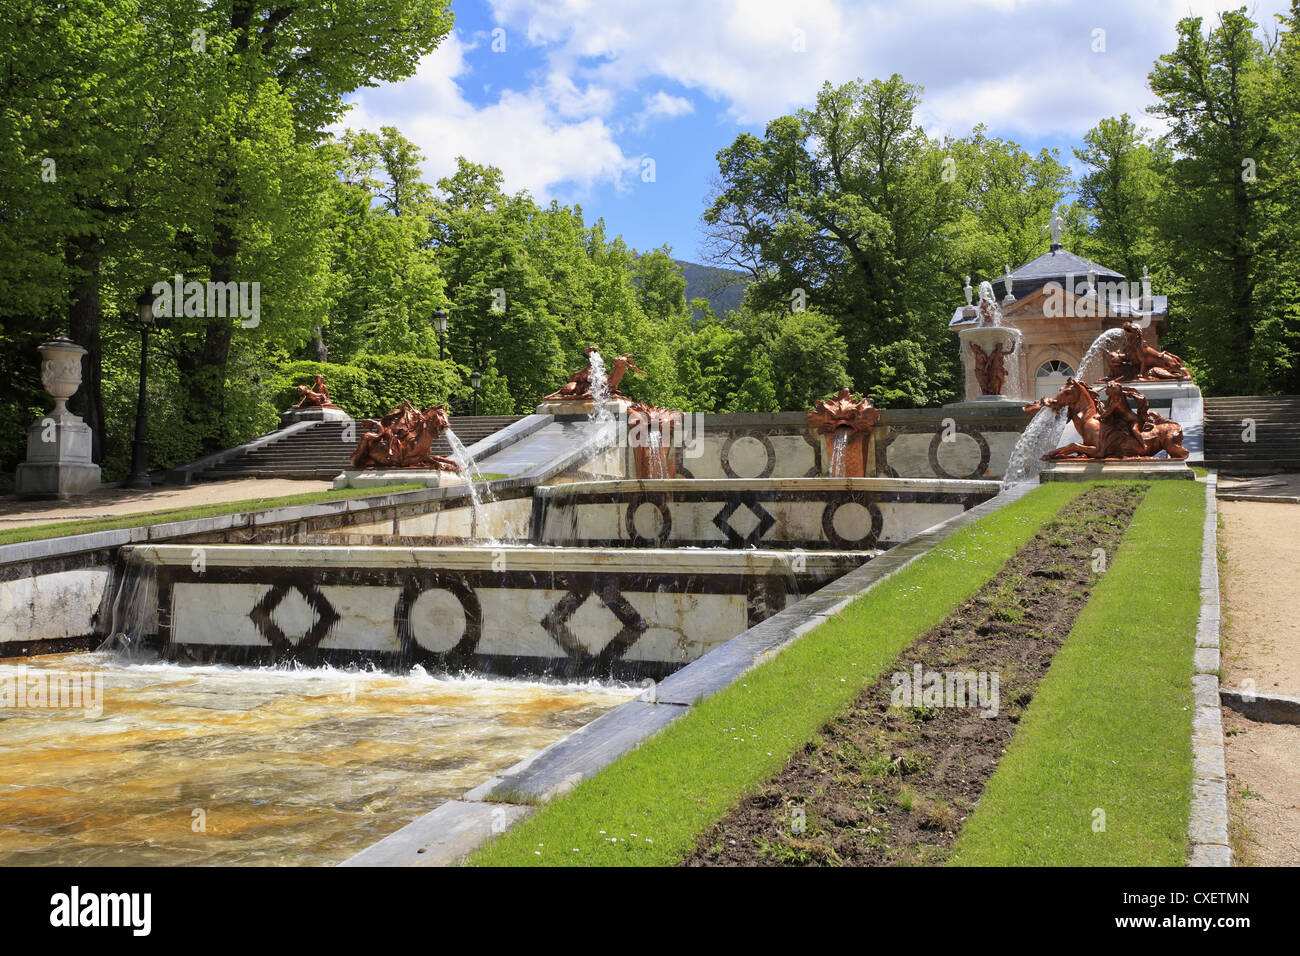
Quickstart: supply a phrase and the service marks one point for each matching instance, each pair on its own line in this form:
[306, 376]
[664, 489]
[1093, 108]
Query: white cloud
[1020, 66]
[1025, 68]
[548, 139]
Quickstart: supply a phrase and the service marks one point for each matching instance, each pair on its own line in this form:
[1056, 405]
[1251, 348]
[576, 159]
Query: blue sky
[570, 98]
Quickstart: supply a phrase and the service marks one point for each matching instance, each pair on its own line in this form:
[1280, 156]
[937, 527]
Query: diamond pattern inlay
[321, 616]
[559, 619]
[753, 530]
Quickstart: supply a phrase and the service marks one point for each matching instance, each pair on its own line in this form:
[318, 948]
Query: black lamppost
[440, 323]
[475, 380]
[147, 321]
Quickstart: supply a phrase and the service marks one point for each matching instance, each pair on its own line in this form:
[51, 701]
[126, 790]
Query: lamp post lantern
[440, 323]
[475, 380]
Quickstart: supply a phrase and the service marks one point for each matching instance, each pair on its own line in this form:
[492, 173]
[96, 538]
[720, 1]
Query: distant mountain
[724, 288]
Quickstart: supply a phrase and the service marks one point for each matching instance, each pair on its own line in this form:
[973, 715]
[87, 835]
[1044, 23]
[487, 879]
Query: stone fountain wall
[559, 611]
[947, 443]
[808, 514]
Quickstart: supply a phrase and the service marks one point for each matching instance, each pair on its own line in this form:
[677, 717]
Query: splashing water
[837, 453]
[1104, 342]
[299, 766]
[1042, 435]
[598, 381]
[465, 461]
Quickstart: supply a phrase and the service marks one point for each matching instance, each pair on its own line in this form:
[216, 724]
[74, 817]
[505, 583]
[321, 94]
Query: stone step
[322, 452]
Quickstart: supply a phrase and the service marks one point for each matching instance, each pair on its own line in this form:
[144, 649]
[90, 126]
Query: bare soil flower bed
[891, 779]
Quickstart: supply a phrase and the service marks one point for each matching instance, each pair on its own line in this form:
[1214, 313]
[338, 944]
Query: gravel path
[15, 513]
[1259, 568]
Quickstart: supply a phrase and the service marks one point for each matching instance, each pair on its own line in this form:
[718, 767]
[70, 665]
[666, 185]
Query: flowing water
[655, 453]
[840, 443]
[1092, 366]
[1043, 434]
[283, 766]
[469, 468]
[132, 612]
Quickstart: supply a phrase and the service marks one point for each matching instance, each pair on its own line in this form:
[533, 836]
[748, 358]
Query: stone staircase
[1277, 434]
[320, 452]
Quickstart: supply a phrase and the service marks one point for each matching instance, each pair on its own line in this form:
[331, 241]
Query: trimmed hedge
[374, 385]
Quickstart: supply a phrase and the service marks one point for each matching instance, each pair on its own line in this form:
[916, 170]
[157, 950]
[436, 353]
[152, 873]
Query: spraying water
[598, 381]
[1106, 341]
[1041, 436]
[465, 461]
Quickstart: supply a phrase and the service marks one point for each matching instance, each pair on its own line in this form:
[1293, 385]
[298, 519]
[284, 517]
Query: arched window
[1050, 377]
[1055, 367]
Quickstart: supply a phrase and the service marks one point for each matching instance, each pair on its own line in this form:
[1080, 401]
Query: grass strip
[140, 519]
[1110, 727]
[649, 806]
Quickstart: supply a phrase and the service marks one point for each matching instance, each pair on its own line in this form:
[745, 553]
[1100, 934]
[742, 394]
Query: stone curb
[1285, 499]
[1266, 708]
[450, 833]
[1207, 826]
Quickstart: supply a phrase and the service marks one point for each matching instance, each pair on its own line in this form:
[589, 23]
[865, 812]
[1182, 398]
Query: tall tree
[1233, 163]
[1120, 190]
[841, 208]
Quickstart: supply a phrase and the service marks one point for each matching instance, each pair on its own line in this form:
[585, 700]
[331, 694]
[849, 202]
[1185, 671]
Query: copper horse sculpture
[404, 439]
[1113, 432]
[579, 384]
[1136, 361]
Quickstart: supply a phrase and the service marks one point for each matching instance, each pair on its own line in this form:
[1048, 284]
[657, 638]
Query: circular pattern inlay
[852, 521]
[437, 614]
[649, 521]
[748, 454]
[967, 447]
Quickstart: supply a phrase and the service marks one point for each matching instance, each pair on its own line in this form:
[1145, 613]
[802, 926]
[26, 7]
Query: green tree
[1232, 178]
[1120, 191]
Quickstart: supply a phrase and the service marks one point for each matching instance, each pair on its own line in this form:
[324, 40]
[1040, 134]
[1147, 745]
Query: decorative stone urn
[61, 374]
[58, 461]
[846, 424]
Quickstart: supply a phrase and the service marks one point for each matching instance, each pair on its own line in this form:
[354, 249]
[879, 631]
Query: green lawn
[84, 526]
[1110, 727]
[656, 800]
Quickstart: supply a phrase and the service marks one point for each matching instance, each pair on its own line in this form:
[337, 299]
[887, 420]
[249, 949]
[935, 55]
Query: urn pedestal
[59, 444]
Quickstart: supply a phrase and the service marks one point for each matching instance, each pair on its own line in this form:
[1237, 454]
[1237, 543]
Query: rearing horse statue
[579, 384]
[1115, 431]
